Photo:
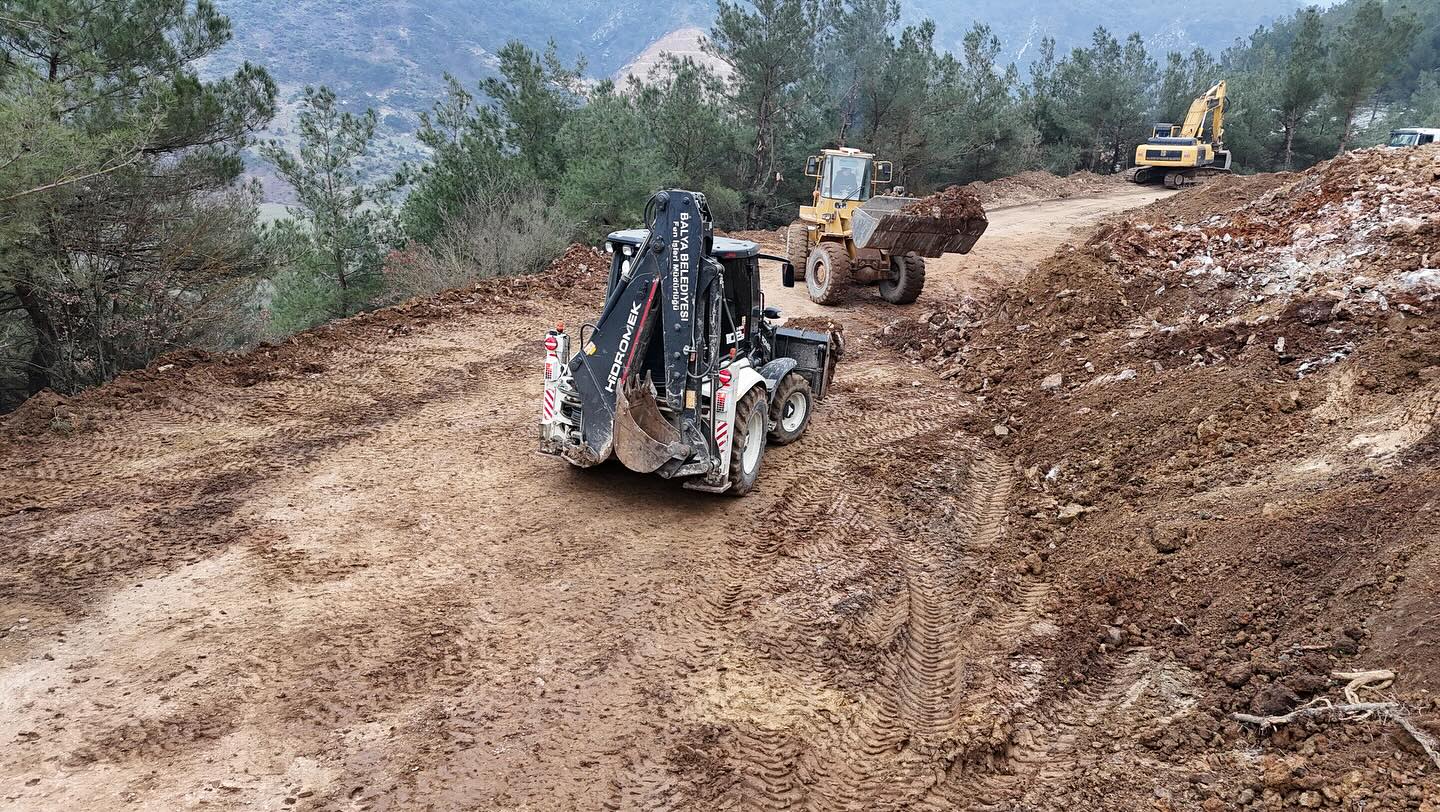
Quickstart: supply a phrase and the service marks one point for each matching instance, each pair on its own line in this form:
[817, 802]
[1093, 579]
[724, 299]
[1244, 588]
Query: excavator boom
[1208, 107]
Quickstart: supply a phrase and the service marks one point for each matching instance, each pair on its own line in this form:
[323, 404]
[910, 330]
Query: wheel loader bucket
[644, 439]
[879, 223]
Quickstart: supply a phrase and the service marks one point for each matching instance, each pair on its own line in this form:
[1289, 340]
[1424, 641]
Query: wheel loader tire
[797, 246]
[747, 450]
[790, 409]
[909, 280]
[827, 272]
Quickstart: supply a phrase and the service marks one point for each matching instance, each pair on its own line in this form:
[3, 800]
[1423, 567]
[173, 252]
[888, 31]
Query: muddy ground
[334, 574]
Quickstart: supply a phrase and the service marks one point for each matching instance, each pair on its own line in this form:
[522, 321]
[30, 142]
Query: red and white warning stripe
[549, 410]
[722, 433]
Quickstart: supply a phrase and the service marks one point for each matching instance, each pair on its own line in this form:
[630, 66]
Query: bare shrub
[508, 232]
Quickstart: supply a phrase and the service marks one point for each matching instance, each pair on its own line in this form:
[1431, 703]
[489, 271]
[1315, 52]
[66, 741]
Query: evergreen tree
[535, 95]
[332, 244]
[469, 163]
[124, 234]
[1365, 48]
[612, 168]
[902, 102]
[1184, 78]
[770, 48]
[1302, 82]
[988, 129]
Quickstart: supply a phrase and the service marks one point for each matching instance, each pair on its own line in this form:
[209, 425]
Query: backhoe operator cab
[1413, 136]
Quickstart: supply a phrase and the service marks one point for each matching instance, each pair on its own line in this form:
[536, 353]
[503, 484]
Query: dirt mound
[1036, 185]
[954, 203]
[1226, 409]
[575, 274]
[1217, 195]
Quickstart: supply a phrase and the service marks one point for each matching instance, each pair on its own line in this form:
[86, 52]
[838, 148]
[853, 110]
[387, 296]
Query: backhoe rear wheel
[748, 447]
[907, 280]
[790, 409]
[827, 272]
[797, 246]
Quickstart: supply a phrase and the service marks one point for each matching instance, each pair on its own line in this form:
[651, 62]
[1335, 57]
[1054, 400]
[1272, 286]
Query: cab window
[846, 178]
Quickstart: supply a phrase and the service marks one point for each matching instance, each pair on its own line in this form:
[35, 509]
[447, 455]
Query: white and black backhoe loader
[685, 373]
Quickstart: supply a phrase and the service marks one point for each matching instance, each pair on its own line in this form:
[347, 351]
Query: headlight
[625, 269]
[609, 247]
[629, 250]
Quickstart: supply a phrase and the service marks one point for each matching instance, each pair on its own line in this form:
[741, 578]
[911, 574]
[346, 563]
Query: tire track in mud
[868, 563]
[180, 507]
[1048, 748]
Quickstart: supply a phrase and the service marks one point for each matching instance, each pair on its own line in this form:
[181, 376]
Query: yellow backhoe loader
[850, 233]
[1185, 154]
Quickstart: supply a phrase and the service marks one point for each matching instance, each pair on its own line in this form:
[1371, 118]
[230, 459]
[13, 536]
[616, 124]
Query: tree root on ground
[1351, 712]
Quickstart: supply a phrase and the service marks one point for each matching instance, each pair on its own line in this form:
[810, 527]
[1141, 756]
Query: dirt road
[351, 584]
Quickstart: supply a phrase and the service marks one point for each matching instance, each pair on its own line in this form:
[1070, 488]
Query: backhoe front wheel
[748, 448]
[827, 271]
[907, 279]
[790, 409]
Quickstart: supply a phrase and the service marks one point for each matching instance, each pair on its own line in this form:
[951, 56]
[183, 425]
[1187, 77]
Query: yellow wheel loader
[851, 234]
[1186, 154]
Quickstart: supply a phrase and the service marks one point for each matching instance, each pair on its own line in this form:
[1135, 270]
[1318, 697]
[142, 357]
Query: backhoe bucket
[644, 439]
[878, 223]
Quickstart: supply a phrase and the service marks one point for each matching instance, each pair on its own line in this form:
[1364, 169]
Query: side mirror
[787, 274]
[884, 172]
[812, 166]
[772, 312]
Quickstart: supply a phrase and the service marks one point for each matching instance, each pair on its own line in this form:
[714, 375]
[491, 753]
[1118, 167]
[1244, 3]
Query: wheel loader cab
[844, 178]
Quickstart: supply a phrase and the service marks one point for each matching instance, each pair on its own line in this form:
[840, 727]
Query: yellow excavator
[856, 231]
[1185, 154]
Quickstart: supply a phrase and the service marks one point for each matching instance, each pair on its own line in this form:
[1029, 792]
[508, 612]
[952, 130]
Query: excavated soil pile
[1226, 430]
[575, 275]
[954, 203]
[1035, 185]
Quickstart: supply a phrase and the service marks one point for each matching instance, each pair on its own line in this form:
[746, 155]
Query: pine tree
[1302, 83]
[1365, 48]
[332, 244]
[770, 48]
[535, 95]
[125, 234]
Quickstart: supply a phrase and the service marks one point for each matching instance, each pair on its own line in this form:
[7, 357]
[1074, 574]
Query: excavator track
[1174, 178]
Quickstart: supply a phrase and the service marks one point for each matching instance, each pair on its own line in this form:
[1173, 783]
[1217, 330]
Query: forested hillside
[129, 231]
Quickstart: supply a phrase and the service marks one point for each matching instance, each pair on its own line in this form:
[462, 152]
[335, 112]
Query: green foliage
[771, 48]
[1365, 47]
[469, 158]
[1300, 84]
[330, 248]
[983, 126]
[684, 110]
[123, 233]
[1103, 93]
[535, 95]
[1184, 78]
